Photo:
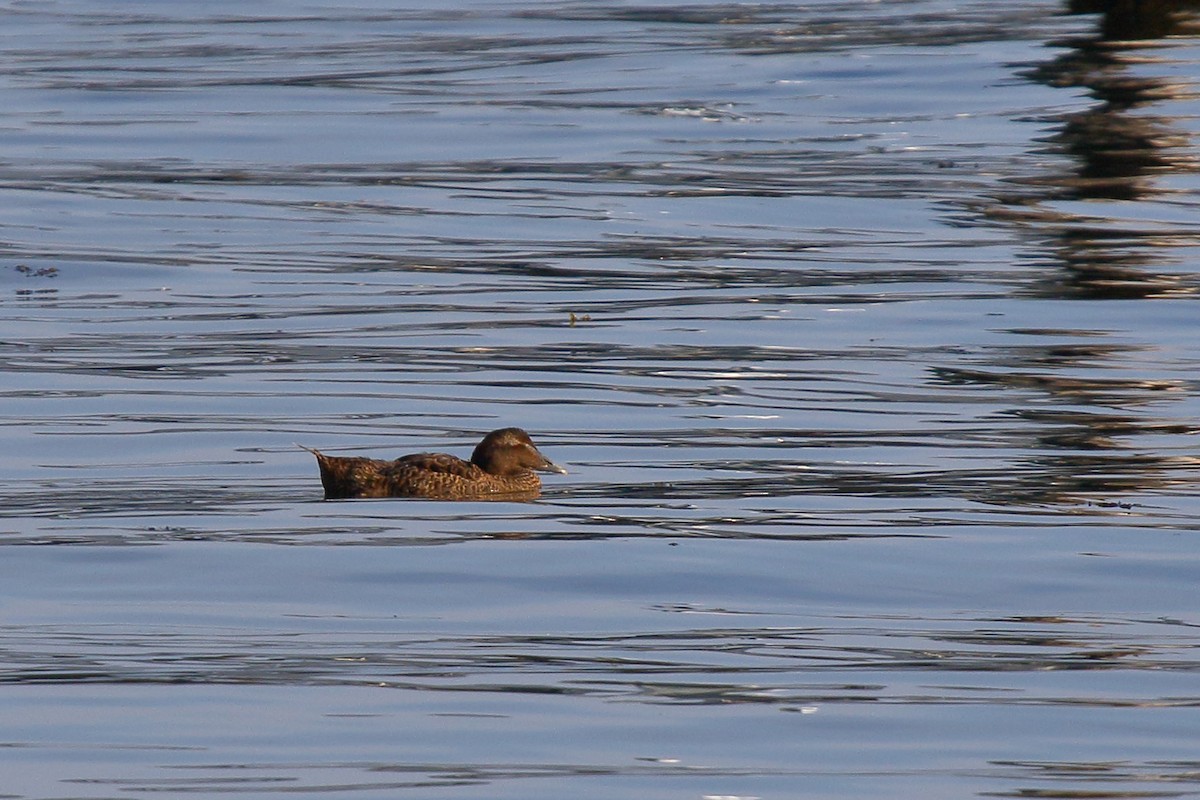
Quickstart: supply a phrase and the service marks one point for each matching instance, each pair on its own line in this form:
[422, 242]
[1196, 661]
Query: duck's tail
[328, 477]
[338, 475]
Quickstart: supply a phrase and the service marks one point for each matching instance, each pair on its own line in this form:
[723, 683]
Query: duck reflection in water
[503, 467]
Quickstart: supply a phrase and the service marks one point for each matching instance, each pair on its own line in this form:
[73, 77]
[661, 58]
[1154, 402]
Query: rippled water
[866, 330]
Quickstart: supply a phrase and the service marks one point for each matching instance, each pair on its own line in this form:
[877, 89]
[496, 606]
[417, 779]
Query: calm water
[866, 330]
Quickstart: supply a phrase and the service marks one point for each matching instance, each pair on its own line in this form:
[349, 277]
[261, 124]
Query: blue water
[866, 331]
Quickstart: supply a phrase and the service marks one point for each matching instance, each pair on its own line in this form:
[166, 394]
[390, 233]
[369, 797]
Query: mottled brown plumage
[501, 468]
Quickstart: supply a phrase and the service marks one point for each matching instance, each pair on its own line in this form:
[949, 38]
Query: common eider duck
[503, 467]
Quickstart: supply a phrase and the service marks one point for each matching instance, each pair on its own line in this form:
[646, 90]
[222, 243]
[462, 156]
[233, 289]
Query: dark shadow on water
[850, 660]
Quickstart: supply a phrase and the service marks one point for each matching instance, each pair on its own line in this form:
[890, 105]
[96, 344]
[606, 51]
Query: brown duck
[501, 468]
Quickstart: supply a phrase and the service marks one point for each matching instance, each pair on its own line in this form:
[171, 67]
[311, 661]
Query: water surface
[865, 330]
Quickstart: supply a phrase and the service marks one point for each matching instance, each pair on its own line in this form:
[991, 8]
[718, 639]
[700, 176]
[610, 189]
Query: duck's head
[509, 451]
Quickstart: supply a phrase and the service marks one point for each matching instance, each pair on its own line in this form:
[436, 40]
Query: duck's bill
[550, 466]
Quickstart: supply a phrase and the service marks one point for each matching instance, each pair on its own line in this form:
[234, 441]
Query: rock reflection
[1091, 391]
[1119, 153]
[1081, 450]
[1125, 778]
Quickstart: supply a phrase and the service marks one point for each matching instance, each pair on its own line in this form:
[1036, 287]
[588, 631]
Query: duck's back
[431, 475]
